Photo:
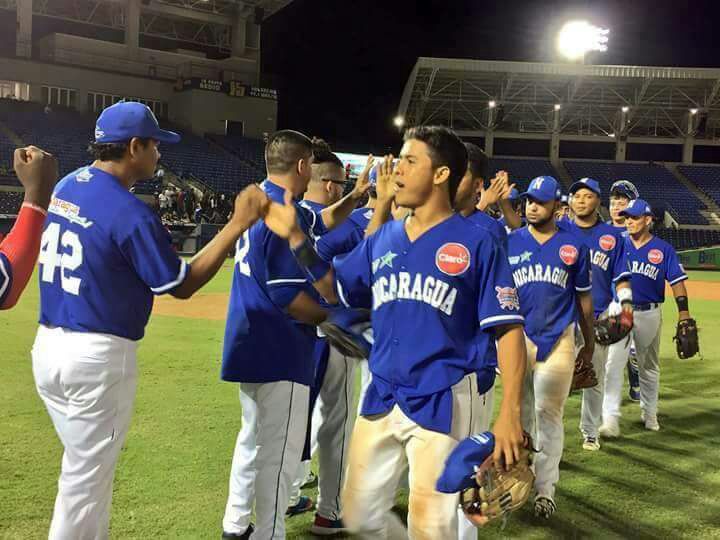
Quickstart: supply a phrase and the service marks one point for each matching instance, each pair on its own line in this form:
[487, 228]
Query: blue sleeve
[342, 239]
[312, 221]
[148, 248]
[502, 236]
[621, 268]
[353, 276]
[285, 279]
[498, 301]
[583, 275]
[5, 277]
[674, 271]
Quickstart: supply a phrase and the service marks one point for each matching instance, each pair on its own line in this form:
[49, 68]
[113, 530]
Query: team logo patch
[655, 256]
[607, 242]
[452, 259]
[508, 298]
[568, 254]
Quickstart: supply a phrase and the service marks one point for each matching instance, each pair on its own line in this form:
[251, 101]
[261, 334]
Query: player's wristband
[310, 262]
[682, 303]
[625, 296]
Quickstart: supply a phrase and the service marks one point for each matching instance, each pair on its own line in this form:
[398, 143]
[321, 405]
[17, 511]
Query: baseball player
[37, 172]
[431, 272]
[652, 262]
[551, 269]
[272, 316]
[621, 193]
[333, 388]
[609, 274]
[103, 255]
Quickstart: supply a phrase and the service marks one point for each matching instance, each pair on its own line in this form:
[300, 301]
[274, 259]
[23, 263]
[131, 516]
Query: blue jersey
[492, 225]
[620, 229]
[434, 304]
[548, 277]
[5, 277]
[607, 256]
[348, 234]
[504, 225]
[103, 255]
[262, 342]
[651, 265]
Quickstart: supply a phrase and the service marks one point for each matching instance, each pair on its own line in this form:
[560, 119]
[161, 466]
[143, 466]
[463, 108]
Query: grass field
[172, 477]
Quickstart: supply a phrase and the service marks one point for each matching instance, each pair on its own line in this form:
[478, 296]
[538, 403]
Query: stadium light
[399, 121]
[625, 108]
[492, 103]
[693, 111]
[611, 135]
[577, 38]
[557, 106]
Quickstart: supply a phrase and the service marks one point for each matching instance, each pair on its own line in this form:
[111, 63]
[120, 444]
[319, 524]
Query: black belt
[646, 307]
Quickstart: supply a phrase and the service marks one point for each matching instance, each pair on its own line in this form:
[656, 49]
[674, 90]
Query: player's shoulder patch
[452, 258]
[655, 256]
[508, 298]
[607, 242]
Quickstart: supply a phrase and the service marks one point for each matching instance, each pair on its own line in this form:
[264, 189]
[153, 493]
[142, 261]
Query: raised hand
[37, 171]
[282, 218]
[251, 204]
[362, 184]
[385, 182]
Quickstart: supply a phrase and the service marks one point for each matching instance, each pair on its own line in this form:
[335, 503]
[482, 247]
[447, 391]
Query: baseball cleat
[591, 444]
[544, 507]
[610, 428]
[304, 504]
[311, 481]
[327, 527]
[634, 393]
[242, 536]
[651, 422]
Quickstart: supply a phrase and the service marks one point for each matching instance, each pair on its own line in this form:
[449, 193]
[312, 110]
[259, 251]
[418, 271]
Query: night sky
[341, 65]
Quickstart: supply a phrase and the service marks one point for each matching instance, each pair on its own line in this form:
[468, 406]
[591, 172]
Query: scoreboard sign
[231, 88]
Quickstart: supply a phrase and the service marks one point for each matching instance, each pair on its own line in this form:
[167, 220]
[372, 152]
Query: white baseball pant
[546, 388]
[365, 378]
[87, 382]
[380, 449]
[266, 458]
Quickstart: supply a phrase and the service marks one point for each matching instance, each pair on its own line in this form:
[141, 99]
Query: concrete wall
[207, 112]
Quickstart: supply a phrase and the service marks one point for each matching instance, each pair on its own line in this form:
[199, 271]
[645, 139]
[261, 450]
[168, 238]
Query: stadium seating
[689, 238]
[521, 171]
[656, 184]
[251, 151]
[10, 201]
[705, 177]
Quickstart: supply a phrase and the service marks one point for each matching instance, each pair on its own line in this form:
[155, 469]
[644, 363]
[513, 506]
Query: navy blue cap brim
[534, 197]
[631, 214]
[166, 136]
[577, 186]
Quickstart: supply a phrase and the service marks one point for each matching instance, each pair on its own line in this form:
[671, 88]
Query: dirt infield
[213, 306]
[210, 306]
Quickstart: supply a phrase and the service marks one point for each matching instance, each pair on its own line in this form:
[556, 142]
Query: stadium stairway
[10, 134]
[563, 176]
[712, 214]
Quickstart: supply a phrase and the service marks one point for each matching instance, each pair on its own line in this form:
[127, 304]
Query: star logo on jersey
[508, 298]
[607, 242]
[452, 259]
[655, 256]
[569, 254]
[383, 261]
[525, 256]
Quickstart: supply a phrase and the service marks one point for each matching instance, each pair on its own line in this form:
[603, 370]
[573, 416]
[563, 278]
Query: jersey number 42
[68, 260]
[241, 252]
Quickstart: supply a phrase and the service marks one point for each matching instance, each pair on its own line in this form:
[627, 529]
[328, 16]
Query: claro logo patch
[452, 259]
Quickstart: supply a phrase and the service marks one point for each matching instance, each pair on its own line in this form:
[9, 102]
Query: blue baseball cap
[127, 119]
[625, 188]
[637, 208]
[459, 472]
[543, 189]
[586, 183]
[514, 195]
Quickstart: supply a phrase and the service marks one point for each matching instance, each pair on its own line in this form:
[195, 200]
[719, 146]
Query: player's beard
[540, 223]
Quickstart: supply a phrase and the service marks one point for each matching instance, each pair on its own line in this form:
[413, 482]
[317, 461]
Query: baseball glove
[349, 331]
[614, 328]
[686, 339]
[499, 492]
[584, 377]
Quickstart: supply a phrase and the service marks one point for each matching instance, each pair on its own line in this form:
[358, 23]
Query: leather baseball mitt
[686, 339]
[614, 328]
[584, 376]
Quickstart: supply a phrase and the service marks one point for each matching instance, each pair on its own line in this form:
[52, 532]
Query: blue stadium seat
[656, 184]
[10, 201]
[521, 171]
[705, 177]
